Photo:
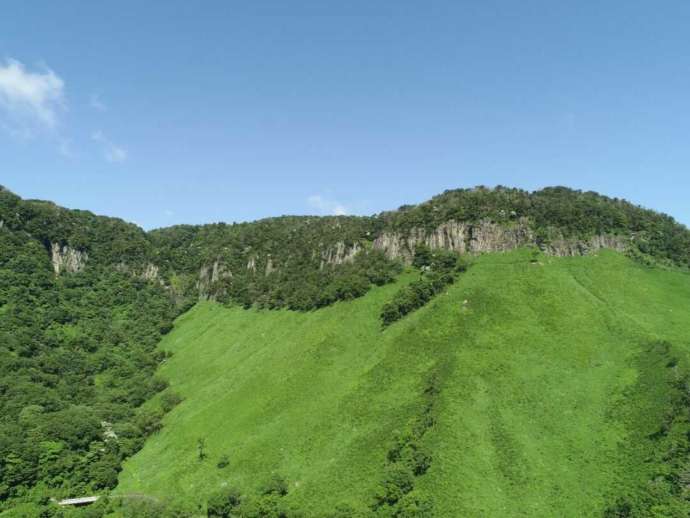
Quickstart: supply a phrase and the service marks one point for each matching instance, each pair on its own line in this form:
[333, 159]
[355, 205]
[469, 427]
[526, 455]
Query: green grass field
[547, 391]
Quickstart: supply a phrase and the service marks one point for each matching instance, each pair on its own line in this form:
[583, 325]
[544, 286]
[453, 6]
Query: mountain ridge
[222, 260]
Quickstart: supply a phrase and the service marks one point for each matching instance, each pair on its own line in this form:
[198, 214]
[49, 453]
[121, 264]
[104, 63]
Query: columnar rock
[209, 275]
[487, 236]
[340, 253]
[67, 259]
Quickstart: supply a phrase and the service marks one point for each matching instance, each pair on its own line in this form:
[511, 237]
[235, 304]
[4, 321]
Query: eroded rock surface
[487, 236]
[67, 259]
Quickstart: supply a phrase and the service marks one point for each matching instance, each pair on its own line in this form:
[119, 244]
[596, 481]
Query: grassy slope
[533, 368]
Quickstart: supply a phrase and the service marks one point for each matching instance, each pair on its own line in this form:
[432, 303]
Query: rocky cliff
[487, 236]
[464, 238]
[67, 259]
[209, 275]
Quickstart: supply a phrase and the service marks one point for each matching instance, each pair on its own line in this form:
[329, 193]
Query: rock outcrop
[150, 272]
[487, 236]
[569, 247]
[464, 238]
[340, 253]
[270, 267]
[452, 235]
[209, 275]
[67, 259]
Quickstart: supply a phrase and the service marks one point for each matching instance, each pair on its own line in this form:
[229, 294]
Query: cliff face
[487, 236]
[464, 238]
[340, 253]
[209, 275]
[569, 247]
[484, 236]
[67, 259]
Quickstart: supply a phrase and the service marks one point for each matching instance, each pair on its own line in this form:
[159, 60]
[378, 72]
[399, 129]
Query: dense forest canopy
[78, 344]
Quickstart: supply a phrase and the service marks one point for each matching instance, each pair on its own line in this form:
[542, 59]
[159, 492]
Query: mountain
[490, 352]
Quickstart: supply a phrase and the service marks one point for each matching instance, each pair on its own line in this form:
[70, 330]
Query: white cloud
[96, 103]
[30, 98]
[169, 213]
[111, 152]
[327, 206]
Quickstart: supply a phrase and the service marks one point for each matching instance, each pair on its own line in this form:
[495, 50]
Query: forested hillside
[85, 299]
[77, 351]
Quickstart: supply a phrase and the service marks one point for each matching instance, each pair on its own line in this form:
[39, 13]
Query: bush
[422, 256]
[397, 482]
[223, 503]
[414, 296]
[415, 504]
[275, 486]
[170, 400]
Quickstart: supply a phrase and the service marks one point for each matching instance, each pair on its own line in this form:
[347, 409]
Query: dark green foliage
[225, 503]
[275, 486]
[415, 504]
[145, 507]
[230, 503]
[201, 448]
[657, 409]
[407, 459]
[422, 256]
[300, 263]
[438, 269]
[76, 351]
[621, 509]
[552, 213]
[397, 481]
[170, 400]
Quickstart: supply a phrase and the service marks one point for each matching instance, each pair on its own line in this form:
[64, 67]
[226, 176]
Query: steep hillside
[84, 300]
[531, 387]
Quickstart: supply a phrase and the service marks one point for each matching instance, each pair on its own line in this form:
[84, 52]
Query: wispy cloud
[30, 99]
[96, 103]
[327, 206]
[111, 151]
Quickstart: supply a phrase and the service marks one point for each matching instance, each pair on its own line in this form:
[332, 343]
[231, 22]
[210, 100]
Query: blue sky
[189, 112]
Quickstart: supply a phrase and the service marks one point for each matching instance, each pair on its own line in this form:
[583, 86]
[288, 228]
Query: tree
[422, 256]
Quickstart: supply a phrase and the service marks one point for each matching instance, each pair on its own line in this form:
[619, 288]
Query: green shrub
[224, 503]
[170, 400]
[276, 485]
[398, 480]
[415, 504]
